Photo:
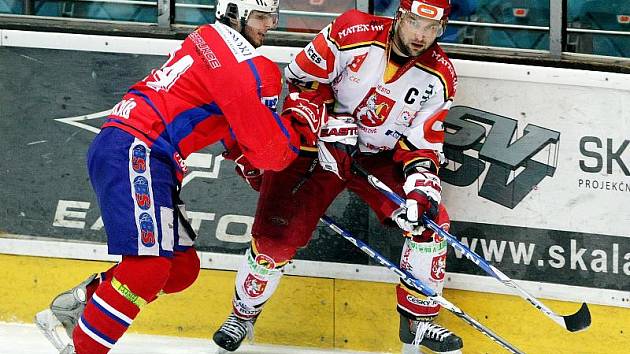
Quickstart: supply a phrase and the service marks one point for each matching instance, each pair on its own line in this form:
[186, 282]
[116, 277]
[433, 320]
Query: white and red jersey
[404, 111]
[215, 86]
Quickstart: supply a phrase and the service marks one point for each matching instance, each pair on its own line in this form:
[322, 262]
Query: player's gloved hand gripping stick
[575, 322]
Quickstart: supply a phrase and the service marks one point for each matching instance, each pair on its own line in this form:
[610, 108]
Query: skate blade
[414, 349]
[221, 351]
[52, 329]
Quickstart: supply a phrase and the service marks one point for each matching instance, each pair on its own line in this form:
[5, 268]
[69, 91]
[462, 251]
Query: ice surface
[26, 339]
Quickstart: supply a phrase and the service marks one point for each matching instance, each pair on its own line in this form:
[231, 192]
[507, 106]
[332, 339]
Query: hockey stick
[576, 322]
[418, 285]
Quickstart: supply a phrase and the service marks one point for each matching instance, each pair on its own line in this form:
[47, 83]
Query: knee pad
[145, 276]
[279, 249]
[184, 271]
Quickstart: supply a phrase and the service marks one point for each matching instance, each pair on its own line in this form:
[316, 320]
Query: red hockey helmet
[433, 9]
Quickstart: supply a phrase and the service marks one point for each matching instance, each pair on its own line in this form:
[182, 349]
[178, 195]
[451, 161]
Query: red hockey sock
[117, 301]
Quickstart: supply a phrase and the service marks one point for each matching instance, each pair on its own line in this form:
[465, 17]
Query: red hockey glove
[337, 144]
[423, 191]
[306, 111]
[244, 168]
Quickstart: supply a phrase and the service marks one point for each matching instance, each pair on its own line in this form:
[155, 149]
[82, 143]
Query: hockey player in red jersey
[391, 79]
[137, 162]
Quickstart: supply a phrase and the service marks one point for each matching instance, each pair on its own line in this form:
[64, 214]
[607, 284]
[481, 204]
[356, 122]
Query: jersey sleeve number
[165, 77]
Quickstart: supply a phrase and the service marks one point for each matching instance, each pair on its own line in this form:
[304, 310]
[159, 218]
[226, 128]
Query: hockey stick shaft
[575, 322]
[418, 285]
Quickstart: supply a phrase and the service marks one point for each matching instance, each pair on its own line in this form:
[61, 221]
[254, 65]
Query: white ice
[26, 339]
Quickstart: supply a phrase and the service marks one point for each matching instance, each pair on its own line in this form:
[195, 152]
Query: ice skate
[232, 333]
[58, 321]
[436, 338]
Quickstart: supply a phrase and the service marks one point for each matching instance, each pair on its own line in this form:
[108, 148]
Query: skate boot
[435, 337]
[232, 333]
[63, 315]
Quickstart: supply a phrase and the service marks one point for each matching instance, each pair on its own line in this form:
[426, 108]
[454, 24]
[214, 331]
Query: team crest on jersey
[254, 287]
[147, 230]
[374, 109]
[438, 267]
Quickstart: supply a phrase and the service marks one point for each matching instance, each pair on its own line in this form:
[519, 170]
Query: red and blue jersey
[215, 86]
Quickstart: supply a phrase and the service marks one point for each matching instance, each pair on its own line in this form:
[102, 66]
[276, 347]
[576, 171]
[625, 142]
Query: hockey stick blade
[578, 321]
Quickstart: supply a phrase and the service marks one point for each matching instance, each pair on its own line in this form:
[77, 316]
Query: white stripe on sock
[111, 309]
[93, 335]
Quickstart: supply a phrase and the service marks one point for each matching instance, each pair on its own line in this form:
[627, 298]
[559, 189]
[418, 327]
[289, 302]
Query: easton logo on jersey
[374, 109]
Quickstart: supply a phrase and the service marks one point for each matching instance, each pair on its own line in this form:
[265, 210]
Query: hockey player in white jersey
[391, 79]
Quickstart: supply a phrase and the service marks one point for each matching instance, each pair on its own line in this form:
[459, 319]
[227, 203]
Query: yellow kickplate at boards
[318, 312]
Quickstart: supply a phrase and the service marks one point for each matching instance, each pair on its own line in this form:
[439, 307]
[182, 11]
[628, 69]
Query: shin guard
[426, 261]
[256, 280]
[117, 301]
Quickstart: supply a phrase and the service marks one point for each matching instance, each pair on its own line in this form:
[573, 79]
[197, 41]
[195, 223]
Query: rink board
[539, 179]
[319, 312]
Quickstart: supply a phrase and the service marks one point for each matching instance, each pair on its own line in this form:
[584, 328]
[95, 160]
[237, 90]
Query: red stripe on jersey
[308, 62]
[321, 47]
[309, 67]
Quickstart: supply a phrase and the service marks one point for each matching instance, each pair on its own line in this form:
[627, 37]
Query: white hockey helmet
[245, 7]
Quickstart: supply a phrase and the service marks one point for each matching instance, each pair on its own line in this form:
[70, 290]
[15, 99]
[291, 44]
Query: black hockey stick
[575, 322]
[419, 286]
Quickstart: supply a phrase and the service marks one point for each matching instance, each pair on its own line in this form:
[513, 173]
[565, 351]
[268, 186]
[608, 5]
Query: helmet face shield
[421, 24]
[259, 19]
[414, 34]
